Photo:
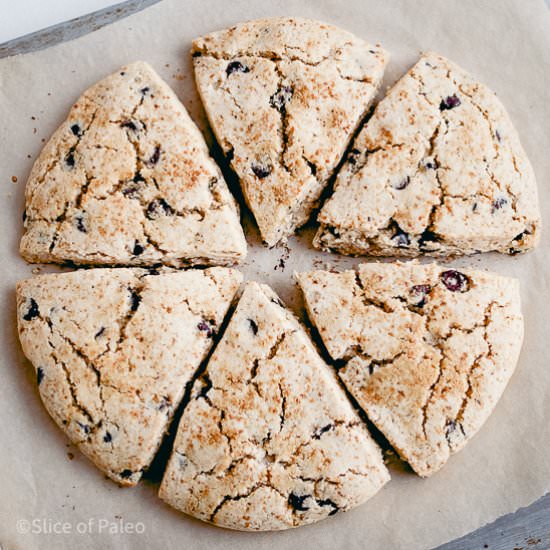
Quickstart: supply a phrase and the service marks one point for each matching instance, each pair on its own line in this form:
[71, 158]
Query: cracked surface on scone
[284, 97]
[429, 349]
[113, 350]
[269, 440]
[438, 170]
[127, 180]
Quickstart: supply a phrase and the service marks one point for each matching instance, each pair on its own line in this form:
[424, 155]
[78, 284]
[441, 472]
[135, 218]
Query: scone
[127, 180]
[437, 170]
[429, 349]
[113, 350]
[284, 97]
[268, 439]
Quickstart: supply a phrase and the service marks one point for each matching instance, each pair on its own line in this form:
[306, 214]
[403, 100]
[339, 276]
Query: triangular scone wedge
[438, 170]
[268, 439]
[284, 97]
[113, 350]
[430, 349]
[127, 180]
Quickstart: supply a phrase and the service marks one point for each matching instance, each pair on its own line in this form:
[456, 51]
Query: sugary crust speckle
[127, 180]
[268, 440]
[437, 170]
[113, 350]
[284, 97]
[426, 363]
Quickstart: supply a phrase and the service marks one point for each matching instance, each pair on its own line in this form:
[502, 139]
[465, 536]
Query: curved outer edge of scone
[268, 440]
[279, 36]
[289, 138]
[425, 364]
[417, 180]
[113, 350]
[127, 180]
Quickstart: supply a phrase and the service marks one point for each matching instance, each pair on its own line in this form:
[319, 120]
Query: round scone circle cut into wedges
[268, 439]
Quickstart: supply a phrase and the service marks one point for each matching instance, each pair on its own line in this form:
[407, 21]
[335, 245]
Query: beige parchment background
[506, 466]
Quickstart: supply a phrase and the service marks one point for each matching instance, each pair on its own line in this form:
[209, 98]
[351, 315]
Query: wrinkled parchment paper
[46, 482]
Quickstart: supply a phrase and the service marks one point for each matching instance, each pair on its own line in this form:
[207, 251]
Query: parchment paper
[506, 466]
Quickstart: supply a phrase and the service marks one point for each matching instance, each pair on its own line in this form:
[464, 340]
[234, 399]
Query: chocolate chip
[138, 178]
[261, 170]
[499, 203]
[107, 437]
[328, 502]
[450, 102]
[253, 326]
[455, 281]
[84, 427]
[297, 502]
[32, 312]
[122, 73]
[236, 67]
[126, 474]
[144, 91]
[133, 125]
[206, 326]
[75, 129]
[474, 207]
[399, 236]
[131, 191]
[164, 404]
[155, 156]
[403, 183]
[80, 224]
[99, 332]
[450, 427]
[203, 326]
[39, 375]
[430, 164]
[138, 249]
[182, 461]
[157, 208]
[419, 293]
[69, 159]
[427, 236]
[280, 98]
[353, 156]
[135, 300]
[318, 433]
